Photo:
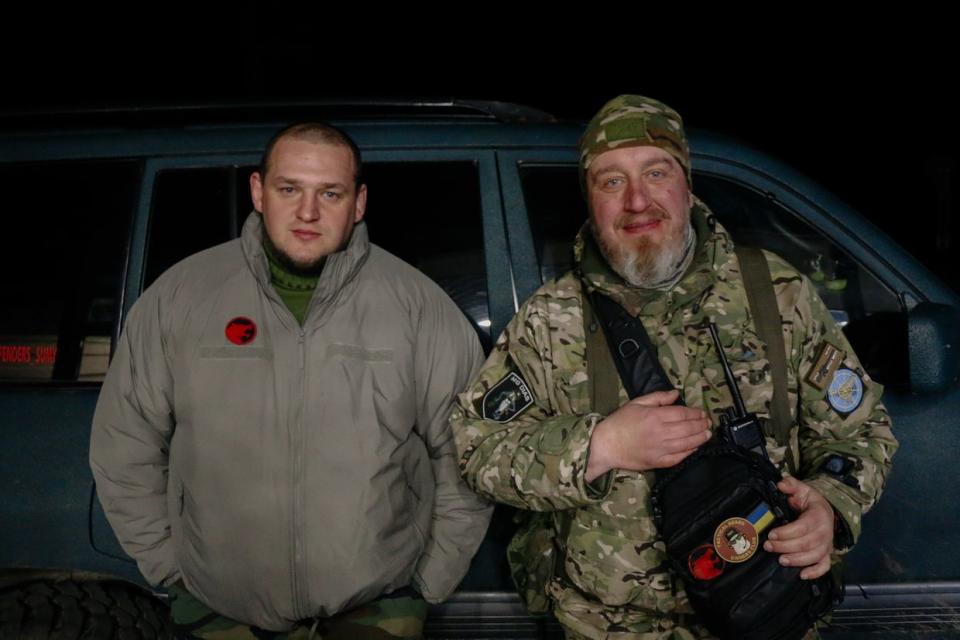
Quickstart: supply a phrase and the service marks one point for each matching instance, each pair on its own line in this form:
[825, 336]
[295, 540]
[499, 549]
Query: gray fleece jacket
[286, 472]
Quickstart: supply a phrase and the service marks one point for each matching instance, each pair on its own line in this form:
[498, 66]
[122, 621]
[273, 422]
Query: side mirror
[933, 333]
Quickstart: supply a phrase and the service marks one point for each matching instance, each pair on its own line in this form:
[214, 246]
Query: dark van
[484, 199]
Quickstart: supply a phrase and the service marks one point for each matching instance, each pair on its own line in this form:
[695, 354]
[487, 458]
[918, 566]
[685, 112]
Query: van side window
[556, 210]
[869, 312]
[426, 213]
[65, 233]
[191, 212]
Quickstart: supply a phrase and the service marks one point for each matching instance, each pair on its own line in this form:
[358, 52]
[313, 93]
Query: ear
[256, 191]
[361, 204]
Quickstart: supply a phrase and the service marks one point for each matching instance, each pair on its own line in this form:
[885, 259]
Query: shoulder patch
[825, 366]
[507, 399]
[845, 392]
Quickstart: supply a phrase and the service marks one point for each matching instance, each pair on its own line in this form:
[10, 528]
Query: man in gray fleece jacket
[271, 440]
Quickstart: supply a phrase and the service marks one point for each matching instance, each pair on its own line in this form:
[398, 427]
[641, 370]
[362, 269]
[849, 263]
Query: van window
[869, 312]
[191, 212]
[426, 213]
[65, 232]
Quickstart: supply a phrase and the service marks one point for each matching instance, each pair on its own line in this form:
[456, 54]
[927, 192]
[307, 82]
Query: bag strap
[605, 372]
[766, 318]
[601, 369]
[604, 368]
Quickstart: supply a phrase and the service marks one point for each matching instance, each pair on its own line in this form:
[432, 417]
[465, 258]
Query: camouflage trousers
[697, 633]
[584, 618]
[570, 634]
[398, 615]
[674, 634]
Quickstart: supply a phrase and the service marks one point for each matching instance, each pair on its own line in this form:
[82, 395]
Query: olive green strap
[601, 370]
[604, 384]
[766, 319]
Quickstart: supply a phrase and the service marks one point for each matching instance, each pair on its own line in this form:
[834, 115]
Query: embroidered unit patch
[704, 563]
[828, 360]
[506, 399]
[735, 540]
[845, 392]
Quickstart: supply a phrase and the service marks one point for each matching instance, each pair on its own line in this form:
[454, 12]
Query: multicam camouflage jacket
[523, 428]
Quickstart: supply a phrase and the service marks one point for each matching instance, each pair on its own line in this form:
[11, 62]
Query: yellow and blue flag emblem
[760, 517]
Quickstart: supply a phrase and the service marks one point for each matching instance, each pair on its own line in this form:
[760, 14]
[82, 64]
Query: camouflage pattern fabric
[612, 576]
[634, 121]
[673, 634]
[397, 615]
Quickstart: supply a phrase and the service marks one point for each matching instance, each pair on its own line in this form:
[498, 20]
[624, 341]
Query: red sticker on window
[241, 331]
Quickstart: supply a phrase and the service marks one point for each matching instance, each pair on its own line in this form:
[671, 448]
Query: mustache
[653, 212]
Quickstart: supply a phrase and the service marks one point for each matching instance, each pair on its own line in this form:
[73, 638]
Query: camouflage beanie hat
[634, 121]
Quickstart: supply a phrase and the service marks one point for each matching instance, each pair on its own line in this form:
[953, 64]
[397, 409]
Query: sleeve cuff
[846, 508]
[599, 487]
[420, 586]
[564, 448]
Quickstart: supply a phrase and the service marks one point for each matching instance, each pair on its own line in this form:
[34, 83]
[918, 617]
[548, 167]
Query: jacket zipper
[297, 512]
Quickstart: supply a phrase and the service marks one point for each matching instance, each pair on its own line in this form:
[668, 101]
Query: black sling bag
[714, 509]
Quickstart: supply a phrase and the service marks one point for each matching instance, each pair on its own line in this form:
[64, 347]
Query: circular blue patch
[846, 391]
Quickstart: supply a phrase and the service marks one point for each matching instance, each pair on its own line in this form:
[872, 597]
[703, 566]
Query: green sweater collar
[294, 289]
[280, 276]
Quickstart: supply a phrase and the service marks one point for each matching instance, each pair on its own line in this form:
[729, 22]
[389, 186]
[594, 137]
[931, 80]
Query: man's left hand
[807, 541]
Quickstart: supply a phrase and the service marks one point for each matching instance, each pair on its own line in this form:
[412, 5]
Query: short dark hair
[318, 133]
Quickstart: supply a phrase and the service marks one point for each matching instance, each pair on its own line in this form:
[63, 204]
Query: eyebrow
[323, 185]
[613, 168]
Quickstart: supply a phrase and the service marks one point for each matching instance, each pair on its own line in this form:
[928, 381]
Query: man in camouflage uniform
[657, 251]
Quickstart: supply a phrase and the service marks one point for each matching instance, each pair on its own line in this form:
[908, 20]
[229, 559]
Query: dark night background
[869, 113]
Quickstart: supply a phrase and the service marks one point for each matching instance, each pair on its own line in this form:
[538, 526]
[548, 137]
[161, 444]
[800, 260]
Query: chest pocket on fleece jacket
[372, 387]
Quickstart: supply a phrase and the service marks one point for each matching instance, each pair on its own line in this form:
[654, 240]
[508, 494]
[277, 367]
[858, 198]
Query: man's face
[308, 200]
[639, 212]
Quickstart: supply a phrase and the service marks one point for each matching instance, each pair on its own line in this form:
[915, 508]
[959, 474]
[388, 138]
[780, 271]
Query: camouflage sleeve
[519, 441]
[846, 441]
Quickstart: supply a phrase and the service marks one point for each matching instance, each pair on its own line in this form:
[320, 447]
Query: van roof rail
[176, 115]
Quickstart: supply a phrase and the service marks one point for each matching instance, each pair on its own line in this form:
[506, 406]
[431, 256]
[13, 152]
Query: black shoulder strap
[766, 316]
[625, 348]
[633, 353]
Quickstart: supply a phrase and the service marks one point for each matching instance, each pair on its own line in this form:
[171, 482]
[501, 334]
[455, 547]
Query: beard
[644, 263]
[310, 269]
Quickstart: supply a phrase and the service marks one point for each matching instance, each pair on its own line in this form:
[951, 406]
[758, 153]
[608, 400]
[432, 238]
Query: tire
[71, 610]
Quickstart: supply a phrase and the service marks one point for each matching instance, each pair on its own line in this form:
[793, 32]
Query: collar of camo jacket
[713, 248]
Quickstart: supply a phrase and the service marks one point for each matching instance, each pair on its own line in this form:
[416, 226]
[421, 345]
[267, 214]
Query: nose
[637, 196]
[309, 209]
